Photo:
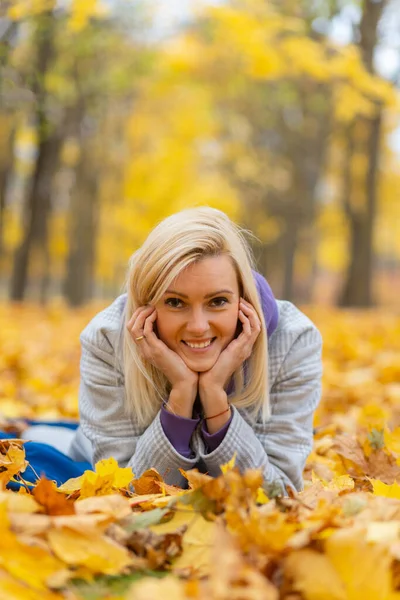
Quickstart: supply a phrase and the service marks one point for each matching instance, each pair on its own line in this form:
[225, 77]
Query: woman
[197, 362]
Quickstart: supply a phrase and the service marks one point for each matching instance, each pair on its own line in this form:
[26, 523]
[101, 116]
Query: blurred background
[284, 114]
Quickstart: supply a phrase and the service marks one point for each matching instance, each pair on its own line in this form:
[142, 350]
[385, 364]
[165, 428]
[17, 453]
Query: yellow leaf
[21, 561]
[197, 540]
[392, 440]
[12, 459]
[313, 576]
[107, 478]
[91, 550]
[383, 489]
[229, 465]
[12, 589]
[363, 567]
[262, 497]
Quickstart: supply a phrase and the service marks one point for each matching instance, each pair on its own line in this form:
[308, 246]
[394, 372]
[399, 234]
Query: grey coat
[279, 447]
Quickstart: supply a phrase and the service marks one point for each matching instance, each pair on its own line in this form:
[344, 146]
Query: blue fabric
[45, 460]
[67, 424]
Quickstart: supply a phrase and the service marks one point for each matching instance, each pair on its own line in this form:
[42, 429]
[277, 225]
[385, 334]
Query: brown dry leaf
[148, 483]
[137, 501]
[54, 502]
[383, 466]
[195, 478]
[349, 448]
[157, 549]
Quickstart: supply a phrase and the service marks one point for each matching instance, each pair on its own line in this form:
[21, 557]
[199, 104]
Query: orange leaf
[54, 502]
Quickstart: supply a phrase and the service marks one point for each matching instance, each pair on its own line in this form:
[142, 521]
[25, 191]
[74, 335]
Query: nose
[197, 323]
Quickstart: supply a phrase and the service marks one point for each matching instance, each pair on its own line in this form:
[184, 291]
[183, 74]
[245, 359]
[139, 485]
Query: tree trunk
[357, 289]
[38, 203]
[36, 214]
[290, 247]
[78, 286]
[5, 172]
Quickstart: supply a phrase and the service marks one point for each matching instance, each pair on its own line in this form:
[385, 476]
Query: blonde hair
[175, 243]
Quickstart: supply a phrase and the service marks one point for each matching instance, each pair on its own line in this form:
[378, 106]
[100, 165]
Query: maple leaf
[12, 589]
[107, 478]
[12, 459]
[311, 574]
[30, 565]
[364, 568]
[383, 466]
[197, 541]
[157, 549]
[54, 502]
[90, 549]
[385, 490]
[148, 483]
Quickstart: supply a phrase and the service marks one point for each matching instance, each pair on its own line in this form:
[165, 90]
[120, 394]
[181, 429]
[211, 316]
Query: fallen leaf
[54, 502]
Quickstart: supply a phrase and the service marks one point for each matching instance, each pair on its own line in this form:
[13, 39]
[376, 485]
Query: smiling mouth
[200, 345]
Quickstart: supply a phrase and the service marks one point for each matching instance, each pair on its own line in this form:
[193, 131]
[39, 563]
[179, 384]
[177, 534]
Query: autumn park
[285, 115]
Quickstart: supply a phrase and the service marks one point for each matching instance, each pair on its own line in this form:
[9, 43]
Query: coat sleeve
[111, 431]
[281, 446]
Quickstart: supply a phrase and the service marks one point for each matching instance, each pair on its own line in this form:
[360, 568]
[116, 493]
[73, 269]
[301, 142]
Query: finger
[135, 316]
[246, 328]
[148, 329]
[136, 325]
[252, 315]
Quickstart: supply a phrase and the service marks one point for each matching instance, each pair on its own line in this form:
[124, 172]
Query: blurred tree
[361, 184]
[38, 203]
[84, 69]
[278, 91]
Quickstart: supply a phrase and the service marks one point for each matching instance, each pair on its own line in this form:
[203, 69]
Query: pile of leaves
[108, 534]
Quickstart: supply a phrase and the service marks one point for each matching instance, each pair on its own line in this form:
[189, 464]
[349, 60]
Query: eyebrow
[206, 296]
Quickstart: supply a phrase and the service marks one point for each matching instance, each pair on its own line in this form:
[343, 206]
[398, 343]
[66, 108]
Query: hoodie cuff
[213, 440]
[179, 431]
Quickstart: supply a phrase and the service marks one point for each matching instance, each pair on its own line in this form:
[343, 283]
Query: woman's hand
[184, 382]
[234, 354]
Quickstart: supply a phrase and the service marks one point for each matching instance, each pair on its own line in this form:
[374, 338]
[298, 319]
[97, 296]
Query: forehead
[209, 274]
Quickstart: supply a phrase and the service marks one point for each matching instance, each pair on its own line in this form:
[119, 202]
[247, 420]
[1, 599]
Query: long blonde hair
[177, 242]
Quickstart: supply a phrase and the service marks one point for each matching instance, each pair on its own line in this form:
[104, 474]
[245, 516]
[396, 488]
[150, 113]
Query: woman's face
[198, 315]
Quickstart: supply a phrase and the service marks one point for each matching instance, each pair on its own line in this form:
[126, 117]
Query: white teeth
[202, 345]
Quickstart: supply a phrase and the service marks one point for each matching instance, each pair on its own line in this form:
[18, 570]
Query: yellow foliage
[107, 478]
[387, 491]
[21, 9]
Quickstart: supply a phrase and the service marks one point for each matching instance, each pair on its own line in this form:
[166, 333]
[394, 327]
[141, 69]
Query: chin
[200, 366]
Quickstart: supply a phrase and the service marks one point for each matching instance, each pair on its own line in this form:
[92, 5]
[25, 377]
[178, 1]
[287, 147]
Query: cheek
[229, 324]
[166, 327]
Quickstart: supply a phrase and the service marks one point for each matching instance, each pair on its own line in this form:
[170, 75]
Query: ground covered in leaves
[105, 535]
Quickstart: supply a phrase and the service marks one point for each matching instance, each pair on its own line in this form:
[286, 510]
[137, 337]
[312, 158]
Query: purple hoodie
[179, 430]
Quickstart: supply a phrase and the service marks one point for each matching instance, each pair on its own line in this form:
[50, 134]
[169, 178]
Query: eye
[173, 302]
[218, 302]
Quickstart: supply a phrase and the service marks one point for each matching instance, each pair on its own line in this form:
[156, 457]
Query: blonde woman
[198, 361]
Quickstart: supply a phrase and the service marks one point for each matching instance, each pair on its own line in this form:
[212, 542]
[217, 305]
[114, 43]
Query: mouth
[199, 347]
